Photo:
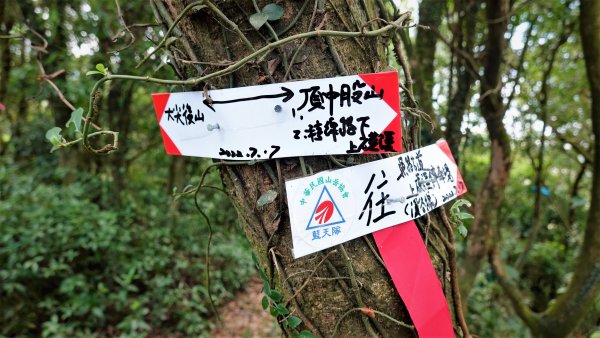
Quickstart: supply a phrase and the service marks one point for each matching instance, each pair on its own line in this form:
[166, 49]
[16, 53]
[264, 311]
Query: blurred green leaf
[273, 11]
[257, 20]
[92, 72]
[281, 309]
[306, 334]
[463, 230]
[294, 321]
[53, 135]
[276, 296]
[75, 119]
[265, 302]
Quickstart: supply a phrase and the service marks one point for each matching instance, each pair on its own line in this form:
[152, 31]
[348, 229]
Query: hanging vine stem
[310, 24]
[92, 114]
[287, 285]
[356, 291]
[364, 310]
[454, 274]
[210, 232]
[295, 20]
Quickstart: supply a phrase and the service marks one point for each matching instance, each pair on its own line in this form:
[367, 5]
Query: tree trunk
[491, 192]
[324, 300]
[430, 14]
[6, 23]
[459, 100]
[119, 101]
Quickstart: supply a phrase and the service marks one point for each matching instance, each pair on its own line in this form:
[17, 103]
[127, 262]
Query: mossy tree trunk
[324, 300]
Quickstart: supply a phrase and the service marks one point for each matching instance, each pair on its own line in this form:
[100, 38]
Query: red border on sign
[388, 81]
[461, 187]
[160, 103]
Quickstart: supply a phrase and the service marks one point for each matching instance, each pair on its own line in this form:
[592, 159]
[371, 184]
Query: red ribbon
[408, 262]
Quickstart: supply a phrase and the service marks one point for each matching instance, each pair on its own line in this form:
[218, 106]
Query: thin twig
[124, 24]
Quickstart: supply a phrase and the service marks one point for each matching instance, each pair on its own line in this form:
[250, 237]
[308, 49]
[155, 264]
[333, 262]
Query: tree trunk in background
[6, 23]
[582, 293]
[325, 300]
[491, 192]
[118, 102]
[177, 172]
[430, 14]
[459, 100]
[573, 305]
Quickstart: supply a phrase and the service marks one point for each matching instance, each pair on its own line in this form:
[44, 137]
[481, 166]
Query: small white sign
[333, 207]
[341, 115]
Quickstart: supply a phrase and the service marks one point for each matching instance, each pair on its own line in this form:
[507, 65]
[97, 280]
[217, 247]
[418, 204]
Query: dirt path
[244, 316]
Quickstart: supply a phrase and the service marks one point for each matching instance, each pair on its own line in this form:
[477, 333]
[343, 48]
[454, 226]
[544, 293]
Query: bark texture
[326, 299]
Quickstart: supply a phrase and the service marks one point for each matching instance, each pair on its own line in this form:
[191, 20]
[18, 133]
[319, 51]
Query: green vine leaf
[257, 20]
[457, 216]
[92, 72]
[76, 118]
[462, 229]
[293, 322]
[306, 334]
[53, 135]
[276, 296]
[100, 67]
[281, 309]
[265, 302]
[273, 11]
[170, 41]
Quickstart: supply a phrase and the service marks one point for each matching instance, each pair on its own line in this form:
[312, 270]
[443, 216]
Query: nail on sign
[341, 115]
[336, 206]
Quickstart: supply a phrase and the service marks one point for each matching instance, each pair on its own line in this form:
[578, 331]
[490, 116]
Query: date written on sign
[342, 115]
[336, 206]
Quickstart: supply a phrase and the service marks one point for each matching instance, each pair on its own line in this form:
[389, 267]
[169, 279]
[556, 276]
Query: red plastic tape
[409, 264]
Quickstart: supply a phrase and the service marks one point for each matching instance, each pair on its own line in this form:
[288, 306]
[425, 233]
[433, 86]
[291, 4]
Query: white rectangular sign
[341, 115]
[333, 207]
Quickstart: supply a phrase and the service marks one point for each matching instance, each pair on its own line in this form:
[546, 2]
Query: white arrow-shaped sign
[342, 115]
[333, 207]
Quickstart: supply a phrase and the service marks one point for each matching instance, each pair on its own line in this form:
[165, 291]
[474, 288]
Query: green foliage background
[72, 268]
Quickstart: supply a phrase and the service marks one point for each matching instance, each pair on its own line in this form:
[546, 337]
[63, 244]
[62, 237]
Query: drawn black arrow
[287, 94]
